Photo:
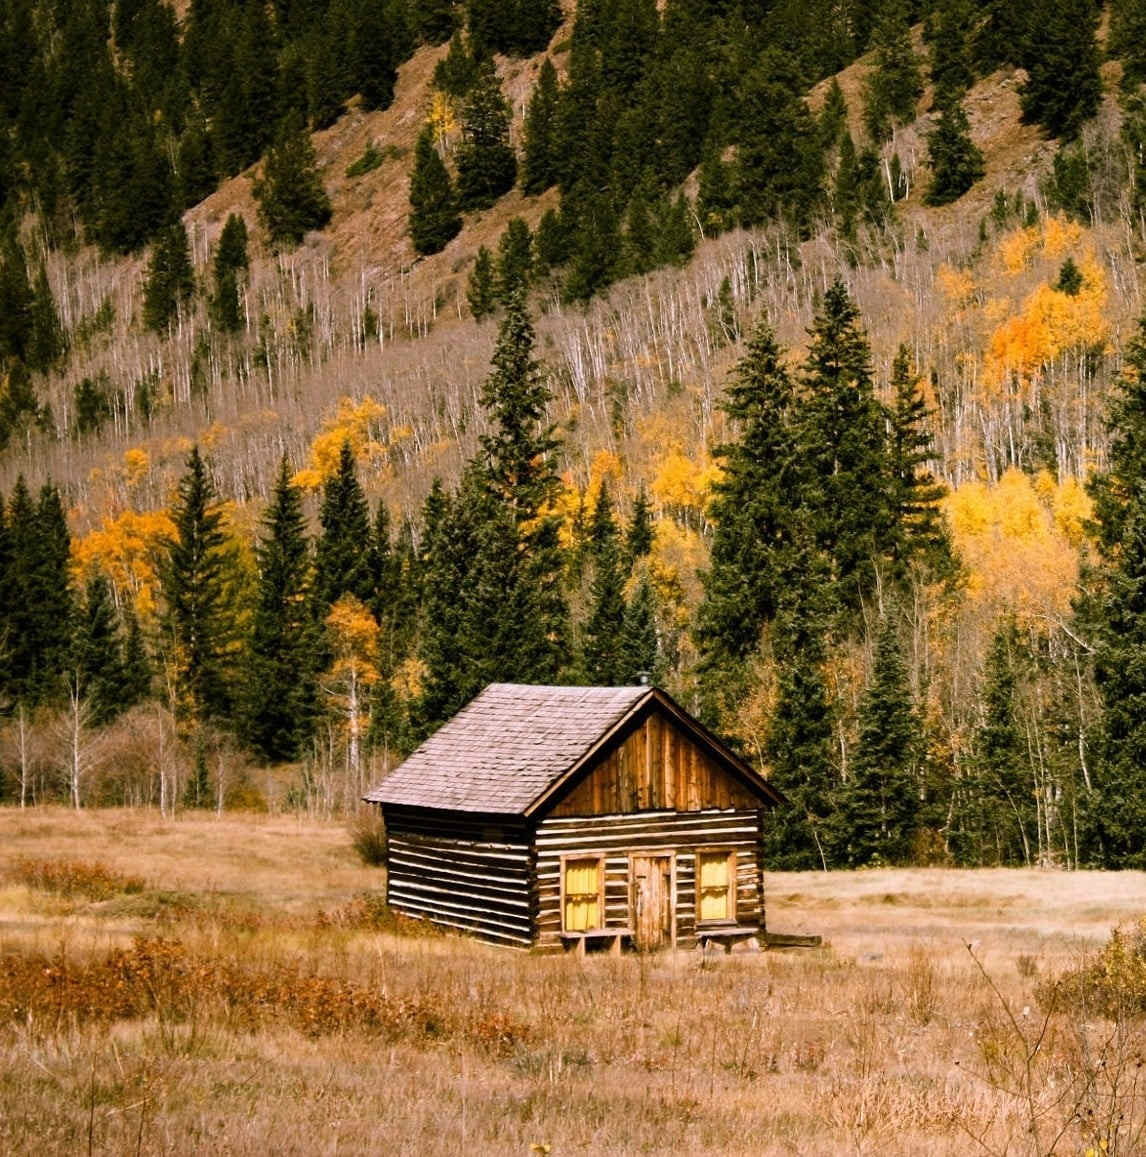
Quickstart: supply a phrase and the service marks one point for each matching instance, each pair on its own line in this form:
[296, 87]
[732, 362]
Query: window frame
[731, 858]
[580, 857]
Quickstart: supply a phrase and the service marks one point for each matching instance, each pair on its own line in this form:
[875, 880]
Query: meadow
[232, 985]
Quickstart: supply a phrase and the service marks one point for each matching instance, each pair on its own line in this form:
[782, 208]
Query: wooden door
[652, 901]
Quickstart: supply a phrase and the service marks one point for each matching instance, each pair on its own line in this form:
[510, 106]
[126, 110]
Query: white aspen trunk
[23, 733]
[162, 764]
[76, 728]
[353, 716]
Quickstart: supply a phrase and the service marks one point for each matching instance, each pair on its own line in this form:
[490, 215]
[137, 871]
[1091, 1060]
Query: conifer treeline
[350, 646]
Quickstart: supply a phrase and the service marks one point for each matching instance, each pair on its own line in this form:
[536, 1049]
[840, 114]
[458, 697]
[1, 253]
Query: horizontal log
[509, 939]
[468, 915]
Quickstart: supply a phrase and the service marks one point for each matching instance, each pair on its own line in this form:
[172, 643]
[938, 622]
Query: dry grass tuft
[89, 879]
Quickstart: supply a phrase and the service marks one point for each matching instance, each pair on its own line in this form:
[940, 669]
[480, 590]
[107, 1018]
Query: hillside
[932, 207]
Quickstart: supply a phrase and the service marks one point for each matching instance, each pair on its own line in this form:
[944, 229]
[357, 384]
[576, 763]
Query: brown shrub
[164, 978]
[87, 878]
[1111, 983]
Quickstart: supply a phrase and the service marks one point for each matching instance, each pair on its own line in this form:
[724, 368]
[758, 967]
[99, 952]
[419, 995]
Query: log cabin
[578, 818]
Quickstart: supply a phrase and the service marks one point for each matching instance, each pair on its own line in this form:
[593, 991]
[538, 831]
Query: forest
[355, 355]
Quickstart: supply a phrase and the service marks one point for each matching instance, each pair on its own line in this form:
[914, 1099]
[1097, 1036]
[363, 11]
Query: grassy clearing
[240, 991]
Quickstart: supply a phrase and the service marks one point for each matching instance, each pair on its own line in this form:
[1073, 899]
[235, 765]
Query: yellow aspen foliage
[677, 557]
[682, 485]
[354, 422]
[410, 678]
[956, 285]
[136, 464]
[125, 548]
[574, 503]
[1060, 235]
[1073, 510]
[353, 637]
[1018, 247]
[443, 118]
[1017, 551]
[212, 436]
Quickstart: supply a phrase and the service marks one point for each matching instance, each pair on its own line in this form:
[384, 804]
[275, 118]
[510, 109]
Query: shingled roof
[509, 745]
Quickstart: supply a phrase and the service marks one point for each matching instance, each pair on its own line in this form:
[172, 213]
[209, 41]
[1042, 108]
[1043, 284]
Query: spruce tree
[603, 655]
[639, 537]
[279, 678]
[956, 162]
[342, 562]
[231, 262]
[198, 616]
[514, 259]
[197, 789]
[754, 509]
[46, 339]
[1127, 40]
[457, 71]
[880, 803]
[434, 217]
[137, 672]
[919, 533]
[1112, 607]
[674, 237]
[833, 116]
[894, 86]
[290, 194]
[481, 293]
[844, 444]
[538, 164]
[952, 60]
[487, 167]
[170, 278]
[374, 48]
[1063, 86]
[97, 663]
[639, 652]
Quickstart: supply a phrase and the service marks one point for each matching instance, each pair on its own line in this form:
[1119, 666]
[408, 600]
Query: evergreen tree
[136, 662]
[481, 293]
[1112, 606]
[880, 803]
[833, 115]
[279, 681]
[716, 193]
[639, 652]
[596, 243]
[435, 20]
[290, 194]
[170, 278]
[539, 165]
[1006, 802]
[640, 242]
[457, 71]
[195, 171]
[231, 262]
[97, 664]
[46, 338]
[514, 259]
[956, 162]
[640, 537]
[844, 444]
[603, 654]
[998, 39]
[919, 532]
[487, 167]
[893, 86]
[197, 789]
[1070, 279]
[550, 243]
[374, 43]
[674, 238]
[1063, 86]
[198, 617]
[342, 554]
[16, 301]
[434, 218]
[952, 63]
[1127, 40]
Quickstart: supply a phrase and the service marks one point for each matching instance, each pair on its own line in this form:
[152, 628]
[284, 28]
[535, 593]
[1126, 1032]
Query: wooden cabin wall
[616, 836]
[656, 766]
[472, 874]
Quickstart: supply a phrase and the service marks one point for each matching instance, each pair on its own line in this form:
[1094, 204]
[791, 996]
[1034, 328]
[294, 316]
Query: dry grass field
[221, 986]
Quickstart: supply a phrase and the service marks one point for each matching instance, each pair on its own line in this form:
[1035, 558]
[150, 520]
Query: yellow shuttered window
[582, 895]
[713, 885]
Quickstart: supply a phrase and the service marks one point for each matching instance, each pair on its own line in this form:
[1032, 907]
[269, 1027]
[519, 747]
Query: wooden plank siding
[616, 837]
[656, 766]
[471, 873]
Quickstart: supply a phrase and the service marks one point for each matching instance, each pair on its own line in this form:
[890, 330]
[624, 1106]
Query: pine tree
[919, 532]
[487, 167]
[290, 194]
[342, 554]
[956, 162]
[1070, 280]
[136, 662]
[640, 537]
[674, 237]
[231, 262]
[16, 301]
[952, 64]
[434, 217]
[1127, 40]
[1112, 607]
[279, 679]
[833, 115]
[1061, 56]
[639, 652]
[1006, 801]
[716, 193]
[457, 71]
[46, 339]
[170, 278]
[880, 803]
[374, 45]
[603, 656]
[97, 665]
[894, 86]
[514, 259]
[844, 444]
[198, 619]
[596, 243]
[481, 292]
[754, 509]
[539, 165]
[640, 241]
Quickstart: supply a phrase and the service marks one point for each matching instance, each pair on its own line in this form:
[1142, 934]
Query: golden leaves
[124, 547]
[355, 423]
